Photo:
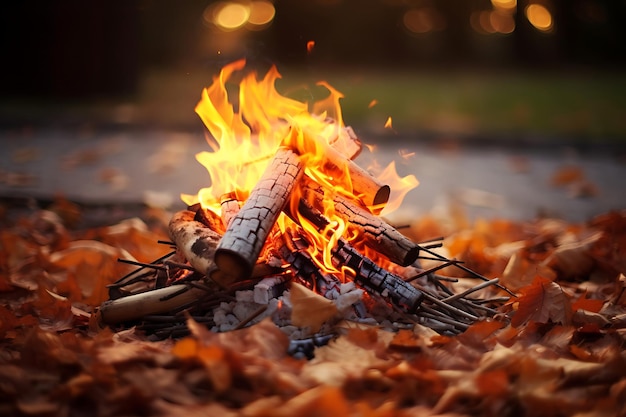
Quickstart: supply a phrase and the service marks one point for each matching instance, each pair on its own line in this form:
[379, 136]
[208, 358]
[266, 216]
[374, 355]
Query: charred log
[377, 234]
[242, 242]
[364, 271]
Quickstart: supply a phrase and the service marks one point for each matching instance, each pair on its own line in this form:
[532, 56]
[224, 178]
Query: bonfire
[283, 290]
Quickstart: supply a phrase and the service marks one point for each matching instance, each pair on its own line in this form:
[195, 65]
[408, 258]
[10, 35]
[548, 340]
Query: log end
[382, 196]
[230, 267]
[411, 256]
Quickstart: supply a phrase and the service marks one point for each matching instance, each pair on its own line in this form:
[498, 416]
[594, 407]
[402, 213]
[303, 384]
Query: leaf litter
[557, 349]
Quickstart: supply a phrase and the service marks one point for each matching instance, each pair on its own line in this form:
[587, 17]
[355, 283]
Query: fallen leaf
[93, 265]
[588, 304]
[543, 301]
[310, 309]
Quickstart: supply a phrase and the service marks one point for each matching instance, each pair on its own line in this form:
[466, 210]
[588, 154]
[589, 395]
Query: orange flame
[309, 46]
[247, 125]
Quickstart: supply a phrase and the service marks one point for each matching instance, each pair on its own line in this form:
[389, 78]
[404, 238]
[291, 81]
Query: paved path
[130, 166]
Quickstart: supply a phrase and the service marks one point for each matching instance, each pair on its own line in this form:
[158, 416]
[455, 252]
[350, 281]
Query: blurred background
[554, 66]
[475, 75]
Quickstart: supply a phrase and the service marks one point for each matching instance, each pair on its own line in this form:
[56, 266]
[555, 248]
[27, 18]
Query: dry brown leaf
[310, 309]
[520, 272]
[92, 265]
[573, 260]
[542, 301]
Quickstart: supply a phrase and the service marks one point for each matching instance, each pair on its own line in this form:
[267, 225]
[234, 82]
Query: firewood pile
[306, 246]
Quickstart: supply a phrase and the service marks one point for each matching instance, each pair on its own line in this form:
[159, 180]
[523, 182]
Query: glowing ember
[248, 122]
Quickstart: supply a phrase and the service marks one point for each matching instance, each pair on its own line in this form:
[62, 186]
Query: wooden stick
[158, 301]
[376, 233]
[243, 240]
[471, 290]
[195, 241]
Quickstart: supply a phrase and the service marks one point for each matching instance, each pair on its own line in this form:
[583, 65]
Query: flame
[248, 122]
[309, 46]
[372, 103]
[388, 123]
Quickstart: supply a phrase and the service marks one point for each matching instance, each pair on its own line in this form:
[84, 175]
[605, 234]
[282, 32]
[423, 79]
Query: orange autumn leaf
[92, 265]
[478, 333]
[185, 348]
[406, 340]
[492, 383]
[542, 301]
[588, 304]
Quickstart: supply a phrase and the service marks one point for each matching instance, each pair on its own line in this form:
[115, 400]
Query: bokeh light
[508, 5]
[540, 17]
[502, 22]
[231, 16]
[423, 20]
[261, 14]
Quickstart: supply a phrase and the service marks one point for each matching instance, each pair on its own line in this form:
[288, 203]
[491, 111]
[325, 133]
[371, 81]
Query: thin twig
[471, 290]
[251, 317]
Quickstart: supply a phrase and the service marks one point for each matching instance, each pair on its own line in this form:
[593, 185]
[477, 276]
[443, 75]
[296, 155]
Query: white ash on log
[243, 240]
[230, 207]
[377, 234]
[270, 288]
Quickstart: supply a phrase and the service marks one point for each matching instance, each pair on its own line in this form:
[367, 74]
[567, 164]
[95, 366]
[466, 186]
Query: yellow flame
[248, 121]
[388, 123]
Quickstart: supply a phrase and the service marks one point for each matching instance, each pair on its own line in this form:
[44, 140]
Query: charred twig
[466, 269]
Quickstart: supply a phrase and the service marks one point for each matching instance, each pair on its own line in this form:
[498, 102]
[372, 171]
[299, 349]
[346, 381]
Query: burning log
[377, 234]
[363, 270]
[196, 241]
[372, 277]
[230, 207]
[293, 251]
[345, 141]
[368, 189]
[243, 240]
